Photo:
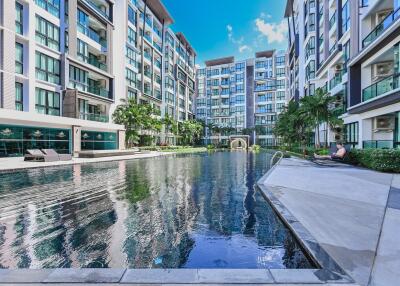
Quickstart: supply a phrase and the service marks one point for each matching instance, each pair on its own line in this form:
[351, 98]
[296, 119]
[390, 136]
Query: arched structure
[239, 142]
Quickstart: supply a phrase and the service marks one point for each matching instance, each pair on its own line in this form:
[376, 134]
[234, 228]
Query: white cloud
[274, 32]
[231, 38]
[244, 48]
[263, 15]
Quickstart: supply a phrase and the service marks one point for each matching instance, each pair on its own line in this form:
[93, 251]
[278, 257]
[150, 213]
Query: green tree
[190, 131]
[138, 119]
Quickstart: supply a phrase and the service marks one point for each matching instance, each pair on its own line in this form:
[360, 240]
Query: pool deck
[352, 214]
[18, 163]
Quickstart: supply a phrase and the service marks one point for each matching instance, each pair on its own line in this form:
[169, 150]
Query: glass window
[351, 133]
[131, 15]
[47, 102]
[19, 96]
[47, 33]
[19, 58]
[130, 77]
[19, 18]
[346, 17]
[51, 6]
[131, 36]
[47, 68]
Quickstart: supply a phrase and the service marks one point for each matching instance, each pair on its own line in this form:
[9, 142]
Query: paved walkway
[353, 213]
[15, 163]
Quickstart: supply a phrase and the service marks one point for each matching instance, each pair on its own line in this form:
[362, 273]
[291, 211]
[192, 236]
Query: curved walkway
[352, 213]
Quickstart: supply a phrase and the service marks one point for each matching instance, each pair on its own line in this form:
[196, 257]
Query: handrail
[271, 162]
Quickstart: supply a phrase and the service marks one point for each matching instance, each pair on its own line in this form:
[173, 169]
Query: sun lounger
[61, 157]
[39, 156]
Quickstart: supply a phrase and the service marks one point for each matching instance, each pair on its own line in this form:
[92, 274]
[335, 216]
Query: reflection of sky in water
[191, 211]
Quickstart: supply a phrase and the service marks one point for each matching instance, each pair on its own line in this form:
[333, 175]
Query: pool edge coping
[328, 265]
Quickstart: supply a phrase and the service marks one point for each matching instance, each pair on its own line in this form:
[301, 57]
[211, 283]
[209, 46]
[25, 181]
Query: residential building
[153, 65]
[66, 65]
[357, 61]
[373, 108]
[56, 76]
[242, 97]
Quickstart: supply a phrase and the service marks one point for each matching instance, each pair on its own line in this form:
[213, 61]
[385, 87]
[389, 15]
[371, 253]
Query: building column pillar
[76, 140]
[121, 140]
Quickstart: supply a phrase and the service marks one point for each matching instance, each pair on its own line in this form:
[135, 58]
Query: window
[78, 78]
[280, 60]
[19, 58]
[346, 17]
[131, 36]
[47, 68]
[280, 107]
[310, 47]
[47, 102]
[351, 133]
[130, 77]
[19, 97]
[131, 57]
[132, 94]
[280, 84]
[47, 34]
[280, 95]
[131, 15]
[82, 51]
[310, 70]
[19, 18]
[240, 66]
[240, 88]
[51, 6]
[280, 72]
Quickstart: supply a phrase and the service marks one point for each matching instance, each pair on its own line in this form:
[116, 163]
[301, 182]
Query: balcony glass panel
[381, 87]
[381, 27]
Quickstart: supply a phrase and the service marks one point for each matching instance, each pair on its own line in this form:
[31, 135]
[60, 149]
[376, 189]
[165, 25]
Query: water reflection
[192, 211]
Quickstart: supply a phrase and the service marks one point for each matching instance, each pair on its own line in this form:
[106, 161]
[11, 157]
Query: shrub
[384, 160]
[255, 148]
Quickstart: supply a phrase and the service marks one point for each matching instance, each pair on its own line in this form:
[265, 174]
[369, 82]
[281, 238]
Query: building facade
[355, 48]
[66, 65]
[242, 97]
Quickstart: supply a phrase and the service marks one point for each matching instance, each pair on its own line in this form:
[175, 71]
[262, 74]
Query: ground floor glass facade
[16, 139]
[91, 140]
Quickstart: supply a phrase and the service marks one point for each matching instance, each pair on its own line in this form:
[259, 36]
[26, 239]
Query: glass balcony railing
[381, 87]
[381, 27]
[148, 73]
[92, 34]
[99, 91]
[98, 9]
[95, 62]
[147, 55]
[148, 37]
[336, 80]
[380, 144]
[94, 117]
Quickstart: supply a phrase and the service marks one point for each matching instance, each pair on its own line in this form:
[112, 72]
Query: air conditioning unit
[338, 67]
[381, 70]
[102, 58]
[383, 124]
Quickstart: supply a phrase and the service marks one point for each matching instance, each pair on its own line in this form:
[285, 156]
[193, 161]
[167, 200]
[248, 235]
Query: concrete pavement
[352, 213]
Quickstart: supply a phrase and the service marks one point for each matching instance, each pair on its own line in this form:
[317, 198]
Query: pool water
[178, 211]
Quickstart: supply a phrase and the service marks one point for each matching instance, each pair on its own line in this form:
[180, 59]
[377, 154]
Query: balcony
[336, 80]
[92, 34]
[332, 21]
[98, 9]
[94, 117]
[96, 90]
[95, 62]
[381, 27]
[380, 144]
[381, 87]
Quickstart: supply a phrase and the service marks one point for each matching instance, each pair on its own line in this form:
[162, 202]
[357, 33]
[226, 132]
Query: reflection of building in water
[159, 225]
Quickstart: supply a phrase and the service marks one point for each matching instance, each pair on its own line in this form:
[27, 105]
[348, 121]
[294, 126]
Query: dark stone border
[330, 270]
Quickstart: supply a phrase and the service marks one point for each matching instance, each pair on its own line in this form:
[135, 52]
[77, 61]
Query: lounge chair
[61, 157]
[39, 156]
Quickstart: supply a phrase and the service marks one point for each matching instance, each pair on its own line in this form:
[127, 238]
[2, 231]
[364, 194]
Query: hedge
[384, 160]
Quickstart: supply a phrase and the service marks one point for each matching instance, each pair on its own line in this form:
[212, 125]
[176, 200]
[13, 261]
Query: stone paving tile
[24, 275]
[386, 271]
[160, 276]
[394, 198]
[295, 276]
[69, 275]
[249, 276]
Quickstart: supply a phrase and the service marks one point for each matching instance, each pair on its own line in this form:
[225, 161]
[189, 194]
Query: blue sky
[218, 28]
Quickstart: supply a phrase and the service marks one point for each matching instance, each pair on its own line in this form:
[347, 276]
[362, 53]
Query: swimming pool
[177, 211]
